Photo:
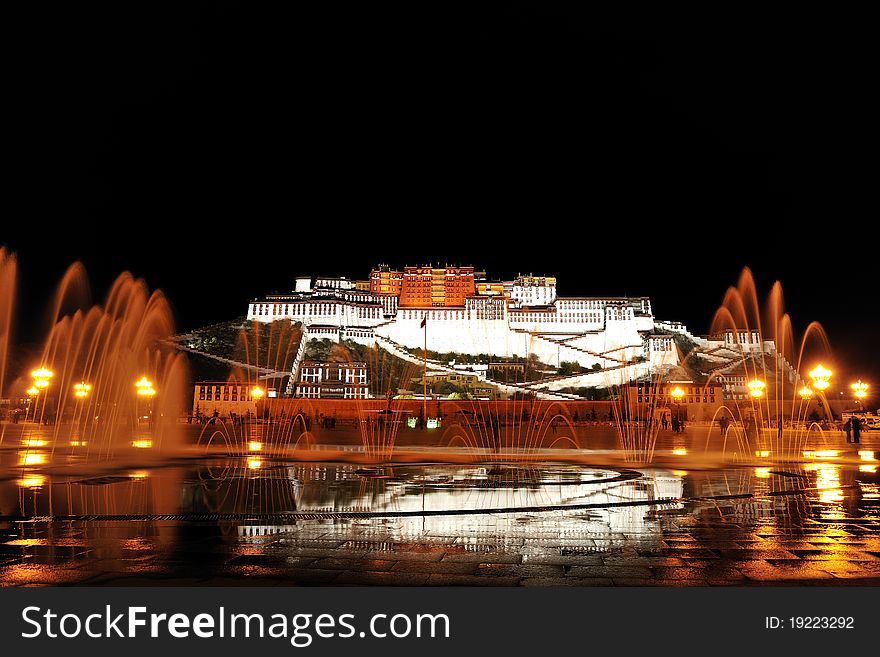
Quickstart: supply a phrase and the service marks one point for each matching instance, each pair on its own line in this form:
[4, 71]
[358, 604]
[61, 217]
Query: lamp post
[806, 395]
[257, 394]
[757, 388]
[820, 377]
[677, 395]
[145, 389]
[81, 390]
[860, 390]
[31, 393]
[41, 377]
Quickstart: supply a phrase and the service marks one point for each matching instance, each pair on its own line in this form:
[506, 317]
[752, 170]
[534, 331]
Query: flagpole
[425, 377]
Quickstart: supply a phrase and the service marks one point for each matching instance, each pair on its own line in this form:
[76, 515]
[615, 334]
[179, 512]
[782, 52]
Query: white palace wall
[607, 336]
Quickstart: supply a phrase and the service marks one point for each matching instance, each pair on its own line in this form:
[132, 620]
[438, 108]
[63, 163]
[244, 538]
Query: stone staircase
[509, 388]
[297, 361]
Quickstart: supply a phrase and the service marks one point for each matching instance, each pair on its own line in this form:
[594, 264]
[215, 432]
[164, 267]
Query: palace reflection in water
[312, 523]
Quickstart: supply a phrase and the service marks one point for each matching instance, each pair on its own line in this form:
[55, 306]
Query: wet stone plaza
[575, 517]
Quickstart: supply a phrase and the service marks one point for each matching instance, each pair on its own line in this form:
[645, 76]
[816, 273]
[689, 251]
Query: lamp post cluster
[42, 378]
[860, 390]
[820, 380]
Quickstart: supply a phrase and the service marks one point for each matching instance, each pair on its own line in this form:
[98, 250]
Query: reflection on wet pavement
[269, 521]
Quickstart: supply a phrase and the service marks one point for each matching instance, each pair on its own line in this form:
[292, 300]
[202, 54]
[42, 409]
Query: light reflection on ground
[269, 519]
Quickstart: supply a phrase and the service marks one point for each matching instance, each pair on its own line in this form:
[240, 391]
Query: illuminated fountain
[100, 439]
[264, 354]
[103, 388]
[518, 430]
[777, 417]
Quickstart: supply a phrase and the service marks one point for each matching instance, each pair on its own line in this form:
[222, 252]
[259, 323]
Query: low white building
[531, 290]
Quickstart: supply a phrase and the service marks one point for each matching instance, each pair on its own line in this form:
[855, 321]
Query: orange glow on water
[31, 481]
[31, 458]
[821, 454]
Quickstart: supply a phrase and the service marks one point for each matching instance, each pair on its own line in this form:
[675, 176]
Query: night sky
[219, 150]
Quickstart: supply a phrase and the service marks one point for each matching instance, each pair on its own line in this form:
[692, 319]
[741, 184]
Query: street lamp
[81, 390]
[677, 395]
[42, 373]
[756, 388]
[820, 377]
[805, 393]
[145, 387]
[860, 390]
[41, 377]
[257, 393]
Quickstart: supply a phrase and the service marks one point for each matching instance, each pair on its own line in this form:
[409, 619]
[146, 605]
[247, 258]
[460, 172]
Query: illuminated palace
[465, 312]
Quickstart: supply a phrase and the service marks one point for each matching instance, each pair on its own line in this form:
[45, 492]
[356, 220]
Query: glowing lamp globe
[860, 390]
[757, 387]
[820, 376]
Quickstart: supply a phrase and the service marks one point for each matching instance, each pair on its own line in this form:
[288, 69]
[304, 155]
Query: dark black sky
[220, 149]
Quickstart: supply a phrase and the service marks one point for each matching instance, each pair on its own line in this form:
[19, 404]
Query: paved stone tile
[366, 578]
[663, 572]
[321, 553]
[695, 553]
[482, 557]
[748, 555]
[460, 567]
[563, 559]
[265, 560]
[470, 580]
[610, 571]
[672, 583]
[641, 561]
[835, 555]
[404, 556]
[768, 572]
[566, 581]
[136, 581]
[850, 568]
[522, 570]
[352, 564]
[300, 575]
